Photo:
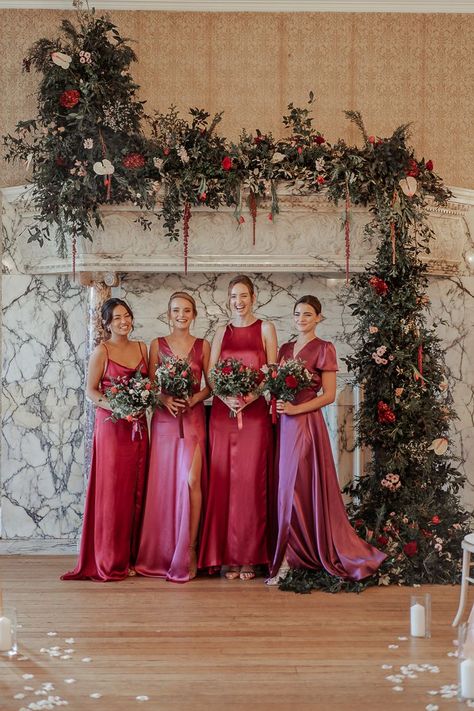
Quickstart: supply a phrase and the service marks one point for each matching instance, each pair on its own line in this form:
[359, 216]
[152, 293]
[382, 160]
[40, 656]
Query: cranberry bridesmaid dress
[313, 528]
[115, 491]
[164, 550]
[235, 525]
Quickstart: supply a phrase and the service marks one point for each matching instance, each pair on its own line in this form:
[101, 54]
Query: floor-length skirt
[314, 530]
[165, 538]
[114, 500]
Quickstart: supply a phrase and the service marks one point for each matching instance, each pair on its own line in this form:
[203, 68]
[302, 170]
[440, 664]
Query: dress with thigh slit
[164, 550]
[313, 528]
[115, 490]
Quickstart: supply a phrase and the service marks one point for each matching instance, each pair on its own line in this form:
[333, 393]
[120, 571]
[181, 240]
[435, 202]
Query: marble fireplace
[49, 325]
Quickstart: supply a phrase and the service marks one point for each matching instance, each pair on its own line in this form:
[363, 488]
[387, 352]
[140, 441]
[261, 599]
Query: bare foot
[232, 573]
[247, 572]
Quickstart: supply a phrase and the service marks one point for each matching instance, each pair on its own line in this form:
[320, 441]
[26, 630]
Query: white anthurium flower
[61, 59]
[277, 157]
[103, 167]
[408, 185]
[439, 445]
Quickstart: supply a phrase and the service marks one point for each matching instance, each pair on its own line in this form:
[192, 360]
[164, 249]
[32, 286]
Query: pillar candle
[467, 678]
[417, 620]
[5, 634]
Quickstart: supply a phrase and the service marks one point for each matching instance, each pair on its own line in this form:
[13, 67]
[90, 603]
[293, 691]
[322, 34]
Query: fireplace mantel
[306, 236]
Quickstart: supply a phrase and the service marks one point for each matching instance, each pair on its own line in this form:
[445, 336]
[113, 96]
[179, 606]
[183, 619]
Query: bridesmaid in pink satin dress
[313, 528]
[116, 485]
[177, 474]
[235, 531]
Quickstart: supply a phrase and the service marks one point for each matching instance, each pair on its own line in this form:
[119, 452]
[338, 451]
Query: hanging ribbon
[186, 218]
[137, 429]
[392, 229]
[420, 363]
[107, 178]
[273, 403]
[253, 212]
[74, 254]
[347, 229]
[240, 423]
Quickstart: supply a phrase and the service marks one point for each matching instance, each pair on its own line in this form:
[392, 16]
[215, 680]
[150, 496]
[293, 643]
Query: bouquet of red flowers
[284, 381]
[129, 399]
[175, 377]
[231, 378]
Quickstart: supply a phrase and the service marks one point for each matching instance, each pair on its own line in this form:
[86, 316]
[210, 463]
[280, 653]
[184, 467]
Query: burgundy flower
[410, 549]
[382, 540]
[371, 139]
[319, 140]
[379, 286]
[60, 162]
[69, 99]
[133, 161]
[227, 370]
[435, 520]
[226, 163]
[291, 381]
[203, 197]
[358, 522]
[413, 168]
[385, 413]
[429, 165]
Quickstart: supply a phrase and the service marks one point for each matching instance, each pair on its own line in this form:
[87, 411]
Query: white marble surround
[45, 331]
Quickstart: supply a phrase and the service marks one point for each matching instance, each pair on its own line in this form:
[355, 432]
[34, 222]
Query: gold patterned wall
[395, 68]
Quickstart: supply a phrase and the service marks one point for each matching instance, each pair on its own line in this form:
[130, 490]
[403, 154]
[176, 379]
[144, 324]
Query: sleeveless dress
[115, 491]
[235, 524]
[164, 542]
[313, 527]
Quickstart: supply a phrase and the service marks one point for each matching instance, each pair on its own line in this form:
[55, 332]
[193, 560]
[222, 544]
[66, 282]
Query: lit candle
[417, 620]
[5, 634]
[467, 678]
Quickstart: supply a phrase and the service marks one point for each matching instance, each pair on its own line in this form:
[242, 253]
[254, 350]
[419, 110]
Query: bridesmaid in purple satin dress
[116, 485]
[177, 474]
[313, 528]
[235, 532]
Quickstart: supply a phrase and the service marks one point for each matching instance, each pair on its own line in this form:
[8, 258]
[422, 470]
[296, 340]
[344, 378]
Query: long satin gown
[164, 550]
[114, 499]
[313, 528]
[235, 525]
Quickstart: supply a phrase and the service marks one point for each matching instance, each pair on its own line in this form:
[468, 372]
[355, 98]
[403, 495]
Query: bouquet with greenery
[284, 381]
[232, 378]
[129, 399]
[174, 376]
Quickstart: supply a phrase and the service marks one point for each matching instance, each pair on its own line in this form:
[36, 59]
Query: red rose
[371, 139]
[410, 549]
[319, 140]
[133, 161]
[429, 165]
[413, 168]
[226, 163]
[69, 99]
[203, 197]
[148, 386]
[435, 519]
[291, 381]
[114, 390]
[320, 180]
[166, 151]
[359, 522]
[184, 373]
[227, 370]
[382, 540]
[380, 287]
[300, 150]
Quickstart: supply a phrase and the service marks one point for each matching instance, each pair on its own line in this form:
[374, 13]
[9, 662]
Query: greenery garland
[86, 147]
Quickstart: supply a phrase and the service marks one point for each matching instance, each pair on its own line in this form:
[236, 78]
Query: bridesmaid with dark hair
[119, 458]
[177, 473]
[235, 532]
[313, 528]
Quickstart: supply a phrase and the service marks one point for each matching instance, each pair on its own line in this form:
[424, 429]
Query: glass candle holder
[420, 615]
[8, 631]
[466, 661]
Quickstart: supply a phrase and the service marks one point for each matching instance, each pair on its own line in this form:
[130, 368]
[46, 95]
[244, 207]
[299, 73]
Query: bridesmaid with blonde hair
[177, 470]
[235, 532]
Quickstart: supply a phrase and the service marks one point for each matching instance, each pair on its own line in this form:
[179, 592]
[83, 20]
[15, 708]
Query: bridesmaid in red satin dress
[313, 528]
[116, 485]
[177, 472]
[235, 530]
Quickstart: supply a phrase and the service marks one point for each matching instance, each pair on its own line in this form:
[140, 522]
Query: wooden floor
[214, 644]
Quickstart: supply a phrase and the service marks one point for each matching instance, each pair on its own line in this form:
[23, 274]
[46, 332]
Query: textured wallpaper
[394, 68]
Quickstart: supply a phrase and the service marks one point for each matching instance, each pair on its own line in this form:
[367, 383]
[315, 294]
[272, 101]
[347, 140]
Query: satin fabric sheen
[114, 499]
[164, 543]
[235, 525]
[313, 527]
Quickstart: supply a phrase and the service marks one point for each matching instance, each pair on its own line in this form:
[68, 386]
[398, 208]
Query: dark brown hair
[311, 301]
[183, 295]
[107, 311]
